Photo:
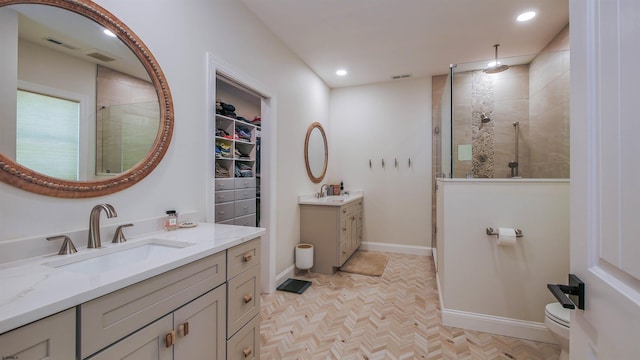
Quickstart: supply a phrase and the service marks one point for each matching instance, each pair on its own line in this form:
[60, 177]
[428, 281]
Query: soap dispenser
[341, 188]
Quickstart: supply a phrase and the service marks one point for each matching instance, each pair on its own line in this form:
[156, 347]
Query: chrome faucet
[94, 223]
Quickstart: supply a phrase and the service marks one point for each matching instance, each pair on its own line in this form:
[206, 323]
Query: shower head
[484, 118]
[497, 67]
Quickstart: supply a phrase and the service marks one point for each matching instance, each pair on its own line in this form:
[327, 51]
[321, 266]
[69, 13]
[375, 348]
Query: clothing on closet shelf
[223, 150]
[243, 135]
[243, 170]
[225, 109]
[221, 172]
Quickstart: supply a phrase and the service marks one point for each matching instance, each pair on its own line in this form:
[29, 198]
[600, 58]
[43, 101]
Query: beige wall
[387, 121]
[549, 109]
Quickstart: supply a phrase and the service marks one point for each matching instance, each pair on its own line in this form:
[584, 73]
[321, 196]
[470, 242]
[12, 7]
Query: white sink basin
[117, 256]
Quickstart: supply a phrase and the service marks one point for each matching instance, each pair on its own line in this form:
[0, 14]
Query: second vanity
[173, 295]
[333, 225]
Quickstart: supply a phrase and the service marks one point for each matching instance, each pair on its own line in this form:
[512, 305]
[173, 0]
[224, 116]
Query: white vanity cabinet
[52, 338]
[334, 230]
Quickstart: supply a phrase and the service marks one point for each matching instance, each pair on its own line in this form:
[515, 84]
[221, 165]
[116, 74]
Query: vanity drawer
[225, 184]
[243, 257]
[226, 222]
[224, 211]
[248, 193]
[245, 183]
[243, 299]
[244, 207]
[350, 208]
[104, 320]
[224, 196]
[245, 344]
[249, 220]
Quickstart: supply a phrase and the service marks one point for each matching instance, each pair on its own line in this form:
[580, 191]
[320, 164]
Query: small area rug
[366, 263]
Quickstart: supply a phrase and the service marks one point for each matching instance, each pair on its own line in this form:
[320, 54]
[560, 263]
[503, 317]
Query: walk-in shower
[505, 124]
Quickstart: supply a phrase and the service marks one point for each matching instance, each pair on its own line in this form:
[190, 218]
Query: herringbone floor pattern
[396, 316]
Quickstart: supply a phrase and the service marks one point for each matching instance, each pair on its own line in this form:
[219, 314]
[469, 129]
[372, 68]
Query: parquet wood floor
[395, 316]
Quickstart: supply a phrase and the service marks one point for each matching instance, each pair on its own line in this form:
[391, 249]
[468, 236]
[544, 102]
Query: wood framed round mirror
[97, 183]
[316, 152]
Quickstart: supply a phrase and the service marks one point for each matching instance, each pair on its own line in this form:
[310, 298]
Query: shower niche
[510, 123]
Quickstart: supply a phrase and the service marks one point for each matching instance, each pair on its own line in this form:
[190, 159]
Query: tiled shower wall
[535, 95]
[549, 109]
[504, 98]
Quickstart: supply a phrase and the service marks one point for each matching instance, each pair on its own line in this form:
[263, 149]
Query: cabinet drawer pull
[170, 339]
[247, 257]
[344, 229]
[344, 211]
[247, 351]
[183, 329]
[247, 298]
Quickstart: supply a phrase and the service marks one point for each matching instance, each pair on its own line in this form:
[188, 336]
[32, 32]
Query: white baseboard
[396, 248]
[284, 275]
[528, 330]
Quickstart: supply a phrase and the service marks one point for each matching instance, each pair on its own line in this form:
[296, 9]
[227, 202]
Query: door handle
[575, 289]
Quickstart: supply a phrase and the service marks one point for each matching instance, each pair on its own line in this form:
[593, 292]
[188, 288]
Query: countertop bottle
[171, 222]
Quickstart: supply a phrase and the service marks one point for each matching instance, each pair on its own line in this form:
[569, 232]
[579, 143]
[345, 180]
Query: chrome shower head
[497, 67]
[484, 118]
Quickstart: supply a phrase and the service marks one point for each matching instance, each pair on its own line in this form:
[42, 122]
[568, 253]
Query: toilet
[556, 318]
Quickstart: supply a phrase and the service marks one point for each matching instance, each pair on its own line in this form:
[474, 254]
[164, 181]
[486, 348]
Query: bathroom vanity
[333, 225]
[186, 293]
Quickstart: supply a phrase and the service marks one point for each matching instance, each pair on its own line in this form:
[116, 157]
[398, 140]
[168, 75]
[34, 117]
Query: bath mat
[366, 263]
[294, 286]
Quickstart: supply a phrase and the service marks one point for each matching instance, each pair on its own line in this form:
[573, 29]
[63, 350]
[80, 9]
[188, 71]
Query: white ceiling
[377, 39]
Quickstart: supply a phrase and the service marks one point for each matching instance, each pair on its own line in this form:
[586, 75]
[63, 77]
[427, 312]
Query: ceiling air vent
[403, 76]
[101, 57]
[58, 42]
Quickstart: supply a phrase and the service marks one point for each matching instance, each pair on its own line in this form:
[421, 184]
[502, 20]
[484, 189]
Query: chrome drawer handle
[247, 257]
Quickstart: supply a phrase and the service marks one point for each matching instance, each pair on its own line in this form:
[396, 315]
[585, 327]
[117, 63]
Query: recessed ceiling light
[109, 33]
[526, 16]
[341, 72]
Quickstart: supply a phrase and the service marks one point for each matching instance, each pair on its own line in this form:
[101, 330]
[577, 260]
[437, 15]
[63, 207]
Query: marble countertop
[332, 200]
[32, 290]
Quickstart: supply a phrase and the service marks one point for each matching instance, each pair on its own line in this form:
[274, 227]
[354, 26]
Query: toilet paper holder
[490, 231]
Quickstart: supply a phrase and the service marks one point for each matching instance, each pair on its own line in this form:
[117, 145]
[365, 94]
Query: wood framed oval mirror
[316, 152]
[69, 31]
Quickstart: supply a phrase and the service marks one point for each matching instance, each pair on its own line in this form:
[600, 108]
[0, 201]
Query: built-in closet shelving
[237, 159]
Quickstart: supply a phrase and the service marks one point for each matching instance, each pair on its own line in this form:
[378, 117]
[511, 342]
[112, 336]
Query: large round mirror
[85, 109]
[316, 152]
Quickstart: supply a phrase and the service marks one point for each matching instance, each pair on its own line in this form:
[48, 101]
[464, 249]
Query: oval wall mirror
[89, 111]
[316, 152]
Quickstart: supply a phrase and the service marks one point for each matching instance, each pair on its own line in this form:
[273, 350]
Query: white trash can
[304, 257]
